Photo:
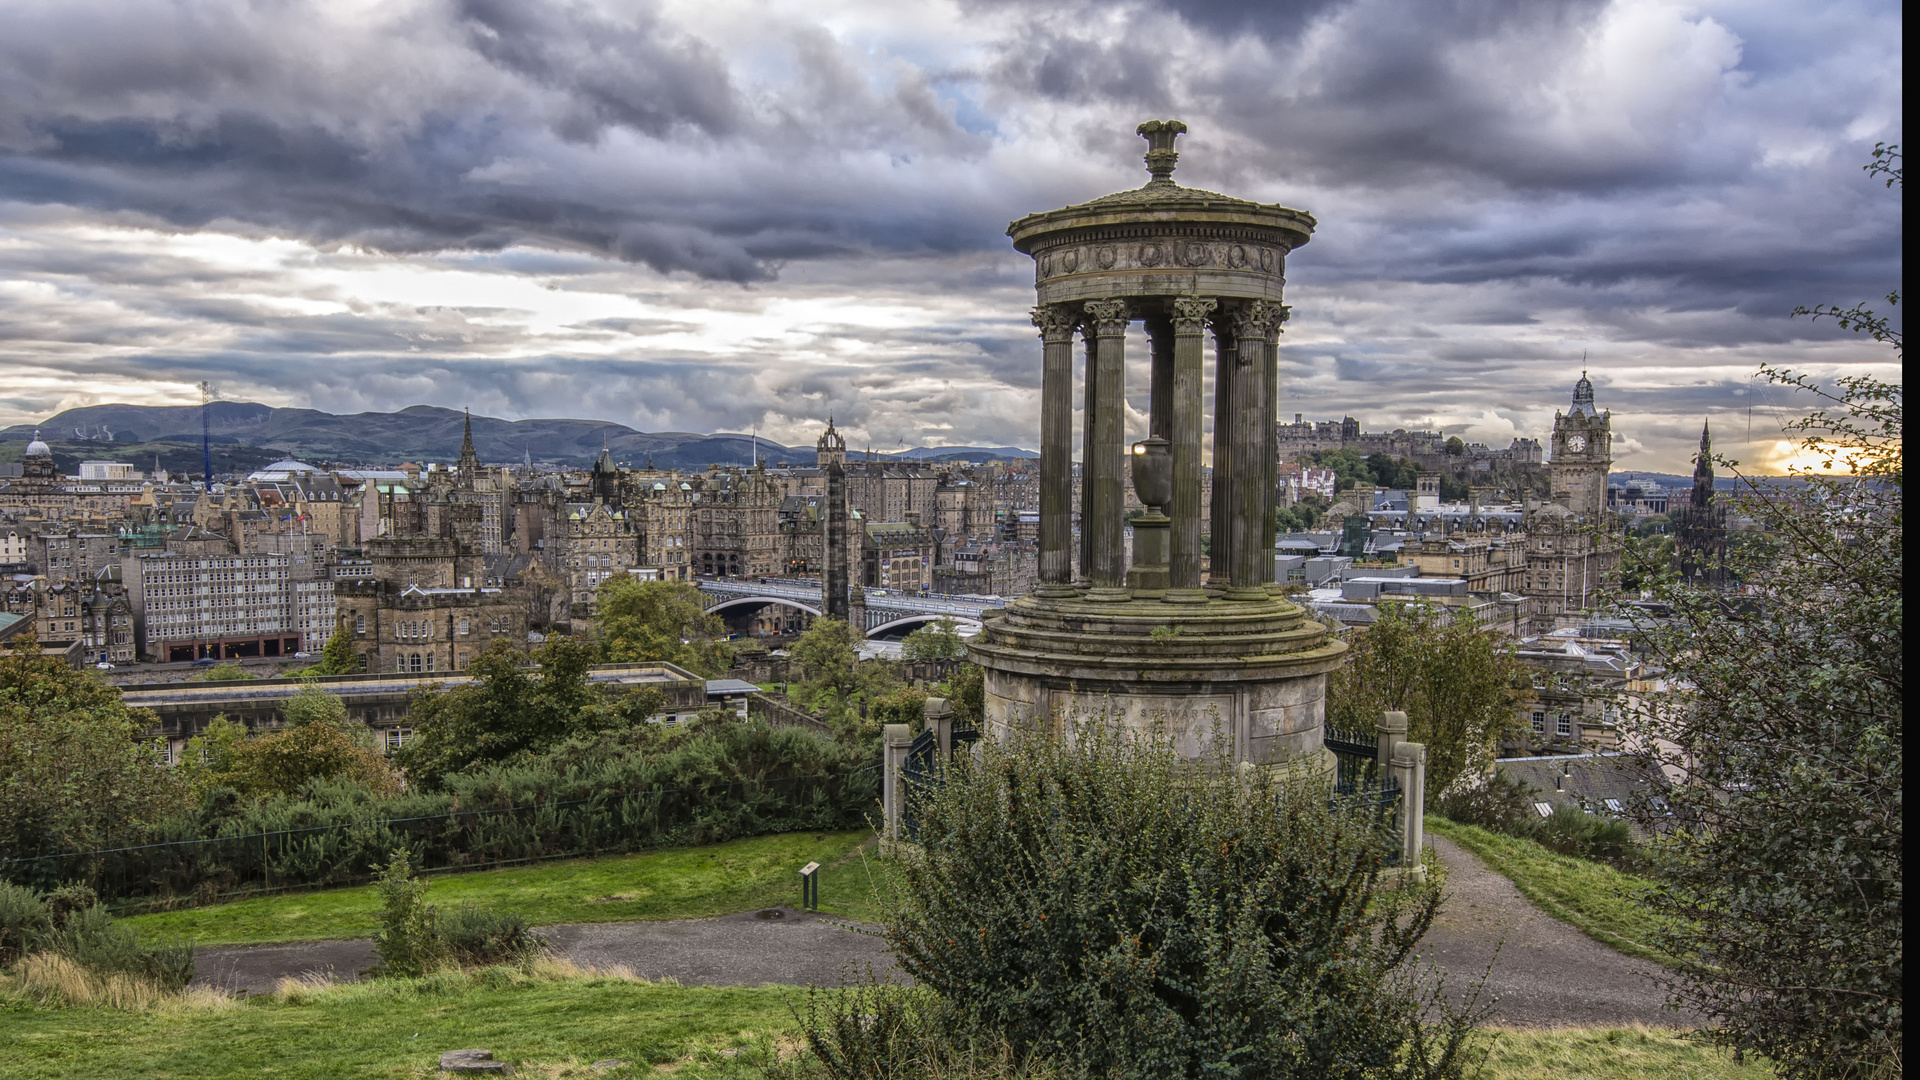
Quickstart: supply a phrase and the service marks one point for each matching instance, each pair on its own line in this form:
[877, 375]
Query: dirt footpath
[1547, 973]
[773, 945]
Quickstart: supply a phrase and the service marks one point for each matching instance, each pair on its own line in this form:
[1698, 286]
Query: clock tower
[1582, 454]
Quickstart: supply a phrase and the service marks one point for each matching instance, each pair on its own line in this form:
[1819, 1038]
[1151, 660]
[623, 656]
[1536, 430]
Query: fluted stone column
[1057, 325]
[1186, 417]
[1252, 435]
[1270, 453]
[1220, 532]
[1090, 379]
[1160, 376]
[1104, 456]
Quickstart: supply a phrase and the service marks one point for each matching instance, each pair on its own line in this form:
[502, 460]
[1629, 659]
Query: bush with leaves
[70, 922]
[1121, 911]
[224, 671]
[476, 936]
[337, 656]
[74, 771]
[512, 708]
[406, 941]
[1501, 802]
[1453, 678]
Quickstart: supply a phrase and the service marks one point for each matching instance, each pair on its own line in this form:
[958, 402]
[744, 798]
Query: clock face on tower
[1577, 443]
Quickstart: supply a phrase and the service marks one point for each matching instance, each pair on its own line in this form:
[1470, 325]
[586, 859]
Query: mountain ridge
[423, 433]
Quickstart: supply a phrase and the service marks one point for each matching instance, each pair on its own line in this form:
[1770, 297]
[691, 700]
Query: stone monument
[1159, 644]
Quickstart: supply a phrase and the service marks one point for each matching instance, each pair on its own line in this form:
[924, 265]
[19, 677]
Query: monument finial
[1161, 155]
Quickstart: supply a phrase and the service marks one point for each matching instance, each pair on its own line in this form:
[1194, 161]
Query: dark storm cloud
[1501, 185]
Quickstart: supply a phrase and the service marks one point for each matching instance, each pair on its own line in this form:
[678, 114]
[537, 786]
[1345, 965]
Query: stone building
[1700, 527]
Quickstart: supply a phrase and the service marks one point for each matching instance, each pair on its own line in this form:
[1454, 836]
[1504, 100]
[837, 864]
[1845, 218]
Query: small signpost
[810, 887]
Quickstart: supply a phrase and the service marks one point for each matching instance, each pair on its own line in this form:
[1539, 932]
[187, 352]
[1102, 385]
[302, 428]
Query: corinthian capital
[1190, 313]
[1057, 322]
[1259, 319]
[1107, 318]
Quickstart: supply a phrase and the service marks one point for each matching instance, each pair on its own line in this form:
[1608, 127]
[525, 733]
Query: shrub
[1120, 911]
[1499, 803]
[62, 902]
[880, 1031]
[91, 938]
[1570, 830]
[407, 943]
[23, 920]
[473, 936]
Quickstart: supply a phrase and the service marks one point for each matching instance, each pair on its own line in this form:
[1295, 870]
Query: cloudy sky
[710, 215]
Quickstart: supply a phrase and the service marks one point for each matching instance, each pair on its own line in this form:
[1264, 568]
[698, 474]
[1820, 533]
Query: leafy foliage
[70, 922]
[1454, 680]
[510, 710]
[1783, 712]
[337, 656]
[936, 641]
[642, 621]
[74, 773]
[834, 683]
[613, 791]
[407, 942]
[1120, 911]
[475, 936]
[224, 671]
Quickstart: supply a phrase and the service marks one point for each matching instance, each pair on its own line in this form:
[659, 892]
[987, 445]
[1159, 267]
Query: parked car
[205, 661]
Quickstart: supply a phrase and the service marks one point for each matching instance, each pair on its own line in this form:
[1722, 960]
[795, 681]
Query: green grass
[1593, 898]
[398, 1028]
[674, 883]
[1611, 1054]
[557, 1025]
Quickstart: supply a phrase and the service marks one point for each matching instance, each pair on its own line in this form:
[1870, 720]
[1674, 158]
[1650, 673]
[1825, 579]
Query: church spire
[1703, 470]
[469, 458]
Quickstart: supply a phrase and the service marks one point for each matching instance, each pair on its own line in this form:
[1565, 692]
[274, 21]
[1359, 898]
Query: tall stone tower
[1582, 454]
[834, 599]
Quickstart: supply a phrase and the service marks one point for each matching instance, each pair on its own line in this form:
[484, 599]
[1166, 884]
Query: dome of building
[36, 448]
[283, 469]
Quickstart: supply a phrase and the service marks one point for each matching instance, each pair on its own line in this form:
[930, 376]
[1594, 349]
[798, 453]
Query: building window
[429, 661]
[416, 662]
[463, 628]
[1539, 722]
[1563, 724]
[359, 624]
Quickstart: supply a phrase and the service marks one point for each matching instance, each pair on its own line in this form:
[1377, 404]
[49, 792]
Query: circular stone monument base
[1244, 677]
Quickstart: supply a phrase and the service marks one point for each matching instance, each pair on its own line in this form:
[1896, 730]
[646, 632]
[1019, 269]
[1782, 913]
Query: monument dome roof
[36, 448]
[1160, 199]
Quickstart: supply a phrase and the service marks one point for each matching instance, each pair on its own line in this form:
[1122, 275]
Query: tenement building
[1220, 659]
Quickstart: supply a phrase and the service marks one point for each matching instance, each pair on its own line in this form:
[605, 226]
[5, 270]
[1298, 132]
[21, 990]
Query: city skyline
[727, 218]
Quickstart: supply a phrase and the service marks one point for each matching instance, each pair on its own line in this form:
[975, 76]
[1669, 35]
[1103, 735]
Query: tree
[936, 641]
[1113, 909]
[829, 661]
[1455, 447]
[642, 621]
[286, 761]
[75, 772]
[511, 708]
[337, 656]
[1453, 678]
[1783, 716]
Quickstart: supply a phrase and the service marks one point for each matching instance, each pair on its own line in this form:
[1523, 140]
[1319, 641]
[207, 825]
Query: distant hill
[419, 433]
[963, 453]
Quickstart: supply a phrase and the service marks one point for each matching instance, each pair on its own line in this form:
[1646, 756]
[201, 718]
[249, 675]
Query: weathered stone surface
[474, 1063]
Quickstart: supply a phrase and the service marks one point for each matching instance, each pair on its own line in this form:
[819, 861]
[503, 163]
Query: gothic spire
[469, 458]
[1703, 470]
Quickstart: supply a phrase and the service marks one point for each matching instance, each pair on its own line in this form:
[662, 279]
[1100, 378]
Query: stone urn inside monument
[1193, 640]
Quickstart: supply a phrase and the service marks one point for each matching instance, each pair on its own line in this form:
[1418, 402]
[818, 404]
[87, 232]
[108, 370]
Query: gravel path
[1545, 972]
[772, 945]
